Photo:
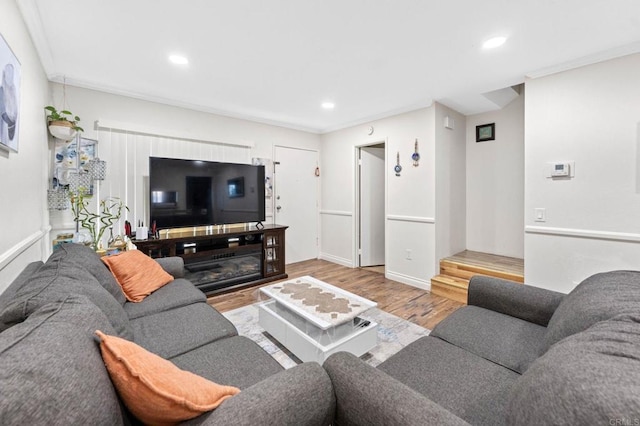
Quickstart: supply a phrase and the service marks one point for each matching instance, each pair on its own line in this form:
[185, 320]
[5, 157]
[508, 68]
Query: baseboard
[406, 279]
[336, 259]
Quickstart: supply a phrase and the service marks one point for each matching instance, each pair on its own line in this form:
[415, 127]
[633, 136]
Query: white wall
[589, 115]
[23, 216]
[495, 183]
[451, 182]
[128, 157]
[410, 211]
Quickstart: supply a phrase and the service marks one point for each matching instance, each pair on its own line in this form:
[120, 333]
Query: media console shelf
[222, 258]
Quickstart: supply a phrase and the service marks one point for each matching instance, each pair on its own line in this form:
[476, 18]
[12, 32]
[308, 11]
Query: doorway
[296, 201]
[370, 197]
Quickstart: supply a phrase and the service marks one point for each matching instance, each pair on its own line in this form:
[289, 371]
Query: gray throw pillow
[592, 377]
[597, 298]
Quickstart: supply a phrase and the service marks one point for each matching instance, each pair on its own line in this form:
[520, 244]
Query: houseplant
[62, 124]
[109, 211]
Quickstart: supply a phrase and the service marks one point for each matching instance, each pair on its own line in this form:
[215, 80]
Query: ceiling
[277, 61]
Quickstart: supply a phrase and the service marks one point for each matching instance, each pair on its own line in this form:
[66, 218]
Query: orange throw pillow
[155, 390]
[137, 274]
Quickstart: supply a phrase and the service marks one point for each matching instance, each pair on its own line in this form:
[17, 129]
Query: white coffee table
[314, 319]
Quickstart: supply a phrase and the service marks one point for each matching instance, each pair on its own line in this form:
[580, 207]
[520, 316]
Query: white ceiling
[276, 61]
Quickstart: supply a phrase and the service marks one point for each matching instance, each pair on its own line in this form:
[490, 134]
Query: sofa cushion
[177, 293]
[180, 330]
[51, 371]
[505, 340]
[154, 389]
[6, 297]
[597, 298]
[85, 258]
[55, 281]
[469, 386]
[592, 377]
[302, 395]
[172, 265]
[137, 274]
[236, 361]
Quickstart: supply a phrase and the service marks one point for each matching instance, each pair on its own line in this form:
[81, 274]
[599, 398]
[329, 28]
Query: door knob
[278, 207]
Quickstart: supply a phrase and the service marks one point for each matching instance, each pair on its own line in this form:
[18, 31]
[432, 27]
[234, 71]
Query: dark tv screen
[187, 193]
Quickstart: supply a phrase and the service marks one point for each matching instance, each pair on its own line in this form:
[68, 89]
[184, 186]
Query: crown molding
[605, 55]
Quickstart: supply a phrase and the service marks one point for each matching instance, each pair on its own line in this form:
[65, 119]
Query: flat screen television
[187, 193]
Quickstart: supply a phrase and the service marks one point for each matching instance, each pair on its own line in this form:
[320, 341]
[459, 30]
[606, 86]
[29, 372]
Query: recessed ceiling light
[328, 105]
[178, 60]
[494, 42]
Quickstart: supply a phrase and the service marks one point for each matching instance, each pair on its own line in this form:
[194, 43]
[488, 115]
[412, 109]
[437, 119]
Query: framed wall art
[9, 97]
[486, 132]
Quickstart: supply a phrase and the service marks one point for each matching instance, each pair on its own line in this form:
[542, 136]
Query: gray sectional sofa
[515, 355]
[51, 370]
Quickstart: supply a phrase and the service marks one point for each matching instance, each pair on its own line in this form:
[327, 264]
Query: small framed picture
[486, 132]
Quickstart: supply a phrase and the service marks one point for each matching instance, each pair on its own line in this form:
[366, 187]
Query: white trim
[79, 82]
[583, 233]
[336, 259]
[418, 219]
[336, 213]
[8, 256]
[406, 279]
[31, 15]
[374, 117]
[587, 60]
[155, 131]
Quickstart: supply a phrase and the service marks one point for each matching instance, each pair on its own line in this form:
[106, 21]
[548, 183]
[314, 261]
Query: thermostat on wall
[561, 169]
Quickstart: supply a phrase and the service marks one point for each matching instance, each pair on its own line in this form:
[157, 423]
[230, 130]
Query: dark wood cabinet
[222, 258]
[273, 262]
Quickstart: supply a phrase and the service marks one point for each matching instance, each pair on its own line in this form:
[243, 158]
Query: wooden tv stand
[223, 258]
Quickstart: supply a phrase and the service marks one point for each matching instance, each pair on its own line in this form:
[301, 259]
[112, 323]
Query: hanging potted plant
[62, 124]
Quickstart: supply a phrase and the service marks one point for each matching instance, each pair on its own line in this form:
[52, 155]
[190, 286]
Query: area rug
[394, 333]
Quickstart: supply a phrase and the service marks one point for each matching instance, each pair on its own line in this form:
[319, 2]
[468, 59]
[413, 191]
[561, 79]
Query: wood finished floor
[411, 303]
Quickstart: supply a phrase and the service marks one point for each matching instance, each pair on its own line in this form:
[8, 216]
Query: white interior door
[372, 172]
[296, 201]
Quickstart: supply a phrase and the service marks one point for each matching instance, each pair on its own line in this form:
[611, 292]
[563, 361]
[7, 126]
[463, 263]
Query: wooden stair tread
[451, 281]
[457, 270]
[461, 270]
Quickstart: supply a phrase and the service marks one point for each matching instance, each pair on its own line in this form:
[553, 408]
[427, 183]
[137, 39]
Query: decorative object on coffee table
[314, 319]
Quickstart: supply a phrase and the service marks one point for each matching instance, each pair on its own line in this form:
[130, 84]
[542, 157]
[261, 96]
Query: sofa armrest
[299, 396]
[533, 304]
[173, 265]
[367, 396]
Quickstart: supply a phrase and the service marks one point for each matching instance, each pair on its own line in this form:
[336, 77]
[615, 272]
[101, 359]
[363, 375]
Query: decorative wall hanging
[71, 156]
[9, 97]
[416, 155]
[486, 132]
[75, 167]
[397, 168]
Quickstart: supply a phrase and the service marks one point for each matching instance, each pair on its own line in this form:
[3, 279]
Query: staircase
[457, 270]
